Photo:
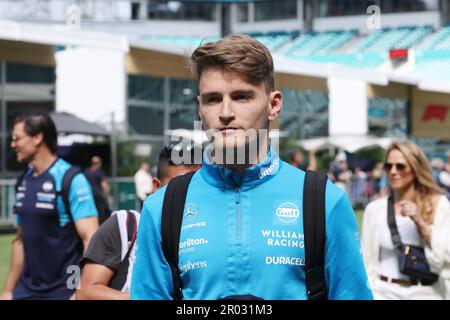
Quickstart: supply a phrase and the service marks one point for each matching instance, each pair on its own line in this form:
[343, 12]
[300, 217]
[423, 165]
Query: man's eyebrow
[209, 94]
[251, 93]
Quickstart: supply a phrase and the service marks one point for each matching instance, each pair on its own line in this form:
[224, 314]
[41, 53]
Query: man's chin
[23, 160]
[229, 145]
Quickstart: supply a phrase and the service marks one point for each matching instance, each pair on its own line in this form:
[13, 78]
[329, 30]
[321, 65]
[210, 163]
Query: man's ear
[276, 104]
[38, 139]
[198, 109]
[156, 184]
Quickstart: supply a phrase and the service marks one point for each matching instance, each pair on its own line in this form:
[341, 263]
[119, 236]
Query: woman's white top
[409, 234]
[438, 254]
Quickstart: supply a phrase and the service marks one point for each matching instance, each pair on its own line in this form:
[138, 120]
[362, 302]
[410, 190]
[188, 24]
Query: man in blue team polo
[242, 231]
[50, 241]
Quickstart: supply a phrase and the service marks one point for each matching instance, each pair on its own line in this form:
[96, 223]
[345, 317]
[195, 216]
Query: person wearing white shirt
[143, 181]
[422, 215]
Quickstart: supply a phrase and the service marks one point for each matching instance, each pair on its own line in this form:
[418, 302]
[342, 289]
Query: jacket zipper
[238, 207]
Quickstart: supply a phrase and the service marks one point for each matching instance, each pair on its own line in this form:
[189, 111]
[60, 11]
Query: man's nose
[226, 111]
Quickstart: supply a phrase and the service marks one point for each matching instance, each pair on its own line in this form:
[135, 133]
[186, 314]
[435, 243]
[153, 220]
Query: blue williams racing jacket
[244, 236]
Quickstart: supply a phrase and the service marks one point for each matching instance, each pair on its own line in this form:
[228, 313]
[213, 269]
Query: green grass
[359, 215]
[5, 256]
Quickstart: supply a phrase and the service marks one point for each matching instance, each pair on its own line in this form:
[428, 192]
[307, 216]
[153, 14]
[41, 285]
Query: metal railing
[360, 191]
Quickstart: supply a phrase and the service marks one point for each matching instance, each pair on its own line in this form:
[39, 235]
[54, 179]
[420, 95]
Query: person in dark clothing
[50, 239]
[100, 187]
[109, 248]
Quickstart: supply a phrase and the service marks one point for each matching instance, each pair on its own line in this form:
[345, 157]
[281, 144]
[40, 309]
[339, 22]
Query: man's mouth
[228, 130]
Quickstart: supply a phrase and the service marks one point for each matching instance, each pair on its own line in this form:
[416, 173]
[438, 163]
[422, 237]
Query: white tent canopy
[347, 143]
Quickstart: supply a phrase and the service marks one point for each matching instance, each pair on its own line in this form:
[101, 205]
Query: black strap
[314, 233]
[65, 188]
[120, 276]
[395, 235]
[172, 217]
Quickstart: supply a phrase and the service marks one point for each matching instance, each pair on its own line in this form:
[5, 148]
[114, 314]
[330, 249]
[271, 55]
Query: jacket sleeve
[344, 266]
[151, 278]
[369, 242]
[438, 253]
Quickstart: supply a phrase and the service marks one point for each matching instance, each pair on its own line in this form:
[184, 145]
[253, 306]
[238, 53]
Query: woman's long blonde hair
[424, 184]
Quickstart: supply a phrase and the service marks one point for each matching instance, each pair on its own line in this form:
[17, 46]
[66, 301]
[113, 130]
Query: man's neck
[42, 161]
[252, 161]
[408, 193]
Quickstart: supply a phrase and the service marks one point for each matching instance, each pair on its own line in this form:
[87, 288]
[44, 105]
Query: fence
[124, 193]
[7, 201]
[361, 190]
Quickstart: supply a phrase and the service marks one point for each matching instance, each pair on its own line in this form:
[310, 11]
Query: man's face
[298, 157]
[231, 105]
[145, 167]
[24, 145]
[175, 171]
[172, 172]
[343, 165]
[96, 163]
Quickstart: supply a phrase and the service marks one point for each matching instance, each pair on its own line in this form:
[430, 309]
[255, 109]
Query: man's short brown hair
[240, 54]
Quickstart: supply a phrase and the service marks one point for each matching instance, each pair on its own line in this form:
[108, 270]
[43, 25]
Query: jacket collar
[224, 178]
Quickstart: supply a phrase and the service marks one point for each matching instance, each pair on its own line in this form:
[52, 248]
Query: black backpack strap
[172, 217]
[65, 188]
[395, 235]
[314, 233]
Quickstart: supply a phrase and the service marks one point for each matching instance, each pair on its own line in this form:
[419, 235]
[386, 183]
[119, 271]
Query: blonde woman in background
[422, 215]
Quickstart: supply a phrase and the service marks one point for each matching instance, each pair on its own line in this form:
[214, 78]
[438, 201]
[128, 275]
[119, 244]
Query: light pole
[113, 146]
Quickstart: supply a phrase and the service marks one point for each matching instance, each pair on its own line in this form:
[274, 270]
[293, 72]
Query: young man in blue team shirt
[235, 238]
[50, 241]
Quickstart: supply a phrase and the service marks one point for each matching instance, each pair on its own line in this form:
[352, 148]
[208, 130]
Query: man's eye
[242, 97]
[211, 100]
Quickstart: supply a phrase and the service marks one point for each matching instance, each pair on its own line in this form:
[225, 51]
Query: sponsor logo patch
[47, 186]
[190, 212]
[287, 212]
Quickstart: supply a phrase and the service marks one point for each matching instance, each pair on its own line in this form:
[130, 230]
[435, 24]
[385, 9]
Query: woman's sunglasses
[398, 166]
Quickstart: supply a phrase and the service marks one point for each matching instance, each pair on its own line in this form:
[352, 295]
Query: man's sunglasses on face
[17, 138]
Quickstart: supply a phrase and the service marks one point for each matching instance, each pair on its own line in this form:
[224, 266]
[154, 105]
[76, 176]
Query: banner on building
[430, 115]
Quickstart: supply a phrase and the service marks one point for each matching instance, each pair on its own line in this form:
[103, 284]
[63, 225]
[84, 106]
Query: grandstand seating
[182, 41]
[440, 40]
[349, 48]
[386, 39]
[318, 43]
[274, 42]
